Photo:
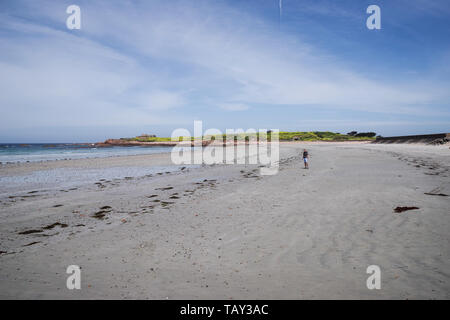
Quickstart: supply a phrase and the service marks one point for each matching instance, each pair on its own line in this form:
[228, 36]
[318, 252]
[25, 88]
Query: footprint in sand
[165, 204]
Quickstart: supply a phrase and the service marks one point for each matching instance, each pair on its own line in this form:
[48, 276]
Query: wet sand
[226, 232]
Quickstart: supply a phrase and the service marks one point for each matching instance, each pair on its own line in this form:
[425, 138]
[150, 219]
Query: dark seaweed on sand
[436, 194]
[401, 209]
[51, 226]
[30, 231]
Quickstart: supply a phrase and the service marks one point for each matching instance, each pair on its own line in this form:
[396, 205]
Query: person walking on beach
[305, 158]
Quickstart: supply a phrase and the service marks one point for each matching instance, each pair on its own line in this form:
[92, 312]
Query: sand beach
[140, 227]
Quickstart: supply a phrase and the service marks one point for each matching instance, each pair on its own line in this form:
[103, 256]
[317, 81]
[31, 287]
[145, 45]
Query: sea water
[61, 151]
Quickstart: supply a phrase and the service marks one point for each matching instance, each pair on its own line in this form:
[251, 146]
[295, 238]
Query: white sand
[300, 234]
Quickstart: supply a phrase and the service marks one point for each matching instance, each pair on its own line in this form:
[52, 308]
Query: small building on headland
[145, 136]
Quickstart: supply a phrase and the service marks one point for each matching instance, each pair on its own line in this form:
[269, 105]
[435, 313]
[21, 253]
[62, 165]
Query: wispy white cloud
[235, 106]
[261, 68]
[159, 100]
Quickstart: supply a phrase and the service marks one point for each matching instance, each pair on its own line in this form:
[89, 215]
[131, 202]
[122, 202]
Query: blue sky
[154, 66]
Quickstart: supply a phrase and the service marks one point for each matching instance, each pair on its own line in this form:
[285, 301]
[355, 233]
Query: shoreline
[10, 164]
[20, 163]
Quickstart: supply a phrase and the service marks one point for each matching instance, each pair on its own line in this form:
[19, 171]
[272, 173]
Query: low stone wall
[439, 138]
